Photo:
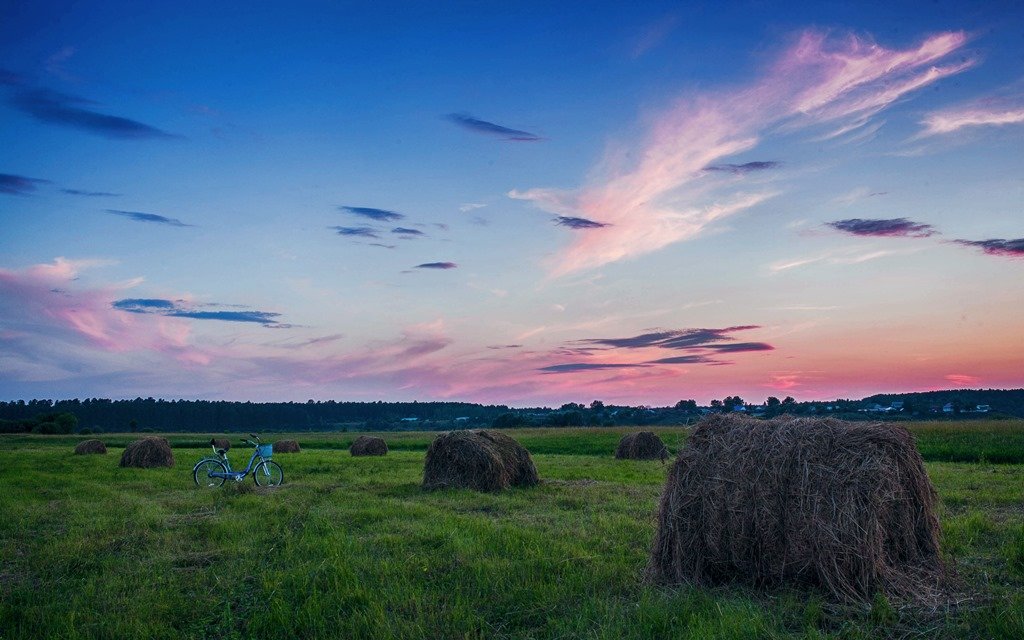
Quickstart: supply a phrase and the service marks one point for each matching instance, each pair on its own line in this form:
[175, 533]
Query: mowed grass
[353, 548]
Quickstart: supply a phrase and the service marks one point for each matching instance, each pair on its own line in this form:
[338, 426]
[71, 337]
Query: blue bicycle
[213, 472]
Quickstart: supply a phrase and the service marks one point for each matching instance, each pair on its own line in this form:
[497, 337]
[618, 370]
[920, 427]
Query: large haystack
[369, 446]
[844, 507]
[286, 446]
[148, 452]
[480, 460]
[221, 443]
[87, 447]
[643, 445]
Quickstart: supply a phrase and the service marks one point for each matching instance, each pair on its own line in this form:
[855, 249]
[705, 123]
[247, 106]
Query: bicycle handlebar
[253, 435]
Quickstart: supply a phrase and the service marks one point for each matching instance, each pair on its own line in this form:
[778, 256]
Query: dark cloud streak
[19, 185]
[579, 223]
[997, 246]
[891, 228]
[53, 107]
[747, 167]
[380, 215]
[139, 216]
[484, 127]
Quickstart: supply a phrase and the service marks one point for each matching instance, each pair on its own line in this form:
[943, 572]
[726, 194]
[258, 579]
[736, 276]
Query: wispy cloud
[997, 246]
[653, 192]
[579, 223]
[90, 194]
[746, 167]
[360, 232]
[588, 366]
[407, 233]
[950, 120]
[475, 125]
[180, 309]
[437, 265]
[380, 215]
[894, 227]
[844, 256]
[471, 206]
[139, 216]
[654, 34]
[18, 185]
[53, 107]
[962, 380]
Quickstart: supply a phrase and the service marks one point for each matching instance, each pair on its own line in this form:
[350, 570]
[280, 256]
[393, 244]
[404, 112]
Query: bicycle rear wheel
[268, 474]
[201, 473]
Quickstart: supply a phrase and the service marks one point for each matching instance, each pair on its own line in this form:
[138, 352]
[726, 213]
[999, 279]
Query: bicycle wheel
[268, 474]
[201, 473]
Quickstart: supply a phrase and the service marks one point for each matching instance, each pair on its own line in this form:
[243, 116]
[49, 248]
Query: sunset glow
[521, 205]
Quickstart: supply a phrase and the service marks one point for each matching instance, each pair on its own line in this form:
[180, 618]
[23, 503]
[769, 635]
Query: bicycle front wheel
[268, 474]
[201, 473]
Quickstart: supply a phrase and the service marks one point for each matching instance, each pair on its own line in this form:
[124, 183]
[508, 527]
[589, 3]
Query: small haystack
[286, 446]
[87, 447]
[643, 445]
[844, 507]
[221, 443]
[480, 460]
[369, 446]
[148, 452]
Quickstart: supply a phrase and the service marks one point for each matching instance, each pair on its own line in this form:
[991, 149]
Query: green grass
[352, 548]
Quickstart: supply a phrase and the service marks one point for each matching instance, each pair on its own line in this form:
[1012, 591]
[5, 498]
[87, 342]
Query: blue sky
[841, 180]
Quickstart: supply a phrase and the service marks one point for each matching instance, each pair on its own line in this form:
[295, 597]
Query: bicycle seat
[222, 452]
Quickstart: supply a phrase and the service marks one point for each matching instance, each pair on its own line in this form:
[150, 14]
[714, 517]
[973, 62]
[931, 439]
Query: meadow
[353, 548]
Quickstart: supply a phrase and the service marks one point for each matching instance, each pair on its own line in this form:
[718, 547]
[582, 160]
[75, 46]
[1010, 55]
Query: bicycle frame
[237, 475]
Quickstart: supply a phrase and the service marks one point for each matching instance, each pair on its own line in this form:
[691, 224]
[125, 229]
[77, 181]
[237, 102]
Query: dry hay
[369, 446]
[843, 507]
[221, 443]
[480, 460]
[86, 447]
[286, 446]
[643, 445]
[148, 452]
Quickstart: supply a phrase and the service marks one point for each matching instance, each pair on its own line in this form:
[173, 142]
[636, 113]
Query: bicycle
[214, 472]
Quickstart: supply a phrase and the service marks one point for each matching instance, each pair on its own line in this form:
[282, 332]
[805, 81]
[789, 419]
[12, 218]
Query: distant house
[462, 419]
[982, 408]
[738, 407]
[897, 405]
[410, 419]
[947, 408]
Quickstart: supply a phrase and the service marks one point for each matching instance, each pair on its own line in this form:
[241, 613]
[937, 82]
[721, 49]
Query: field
[352, 548]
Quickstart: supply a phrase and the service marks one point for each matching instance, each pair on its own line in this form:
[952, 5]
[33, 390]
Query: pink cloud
[963, 380]
[664, 196]
[951, 120]
[45, 301]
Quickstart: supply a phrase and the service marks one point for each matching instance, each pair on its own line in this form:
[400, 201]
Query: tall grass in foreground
[352, 548]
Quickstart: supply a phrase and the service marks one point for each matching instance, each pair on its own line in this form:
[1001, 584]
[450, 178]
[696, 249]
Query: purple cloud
[407, 233]
[18, 185]
[747, 167]
[174, 309]
[470, 123]
[139, 216]
[361, 232]
[437, 265]
[58, 108]
[91, 194]
[380, 215]
[579, 223]
[895, 227]
[586, 366]
[997, 246]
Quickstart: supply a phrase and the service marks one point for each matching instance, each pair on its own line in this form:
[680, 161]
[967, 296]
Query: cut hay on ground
[221, 443]
[87, 447]
[480, 460]
[643, 445]
[286, 446]
[843, 507]
[148, 452]
[369, 446]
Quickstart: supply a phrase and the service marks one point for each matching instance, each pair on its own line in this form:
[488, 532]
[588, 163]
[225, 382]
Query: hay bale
[480, 460]
[286, 446]
[643, 445]
[148, 452]
[843, 507]
[221, 443]
[369, 446]
[87, 447]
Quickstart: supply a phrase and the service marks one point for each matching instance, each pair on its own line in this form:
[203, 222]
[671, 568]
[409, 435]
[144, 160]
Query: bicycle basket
[266, 450]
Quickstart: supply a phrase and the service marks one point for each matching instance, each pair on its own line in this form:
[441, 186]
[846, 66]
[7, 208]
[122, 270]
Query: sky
[513, 203]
